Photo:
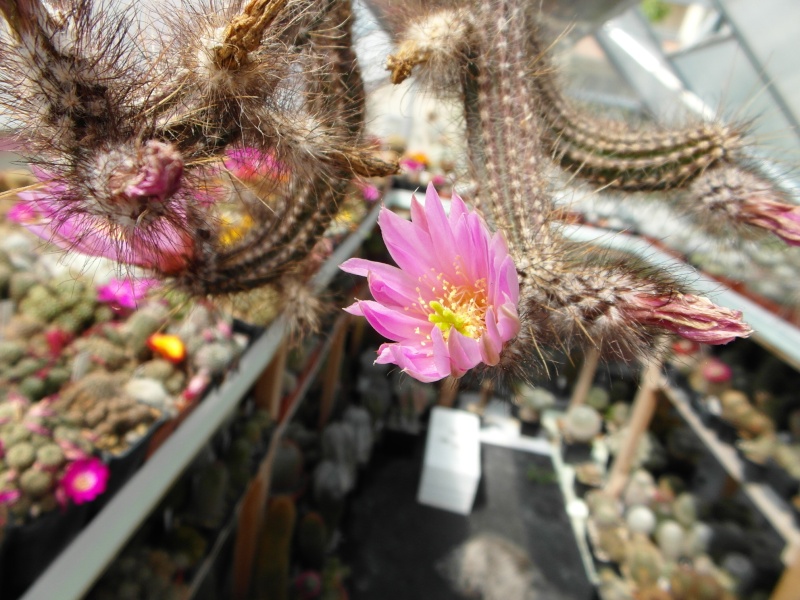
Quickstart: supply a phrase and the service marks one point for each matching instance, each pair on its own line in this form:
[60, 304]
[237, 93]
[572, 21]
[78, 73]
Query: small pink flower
[370, 192]
[71, 451]
[411, 164]
[84, 480]
[197, 385]
[716, 371]
[692, 317]
[38, 429]
[452, 304]
[248, 164]
[125, 293]
[439, 180]
[9, 496]
[781, 219]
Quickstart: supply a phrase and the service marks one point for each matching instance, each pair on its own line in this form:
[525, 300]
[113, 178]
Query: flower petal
[409, 245]
[393, 324]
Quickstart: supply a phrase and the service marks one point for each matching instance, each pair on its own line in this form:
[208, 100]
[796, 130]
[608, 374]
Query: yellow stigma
[462, 308]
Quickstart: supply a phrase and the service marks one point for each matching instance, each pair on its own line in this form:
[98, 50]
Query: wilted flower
[84, 480]
[161, 243]
[781, 219]
[125, 293]
[452, 303]
[695, 318]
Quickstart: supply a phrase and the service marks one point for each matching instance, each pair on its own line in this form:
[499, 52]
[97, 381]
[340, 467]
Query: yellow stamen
[462, 307]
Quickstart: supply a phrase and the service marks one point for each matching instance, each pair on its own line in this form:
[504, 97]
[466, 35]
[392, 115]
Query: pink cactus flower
[84, 480]
[412, 164]
[370, 192]
[159, 242]
[125, 293]
[692, 317]
[248, 164]
[9, 496]
[452, 303]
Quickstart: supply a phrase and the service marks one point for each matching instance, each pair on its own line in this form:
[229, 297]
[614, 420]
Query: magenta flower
[695, 318]
[125, 293]
[84, 480]
[781, 219]
[247, 164]
[452, 303]
[162, 244]
[411, 164]
[370, 192]
[9, 496]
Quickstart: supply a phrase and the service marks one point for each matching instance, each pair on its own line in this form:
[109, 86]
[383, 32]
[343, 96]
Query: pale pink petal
[457, 210]
[491, 341]
[465, 353]
[418, 215]
[392, 324]
[441, 232]
[387, 284]
[409, 245]
[419, 365]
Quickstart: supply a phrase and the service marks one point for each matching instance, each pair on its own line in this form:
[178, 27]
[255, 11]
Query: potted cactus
[48, 478]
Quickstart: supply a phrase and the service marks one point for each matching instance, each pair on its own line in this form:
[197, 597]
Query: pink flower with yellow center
[452, 303]
[84, 480]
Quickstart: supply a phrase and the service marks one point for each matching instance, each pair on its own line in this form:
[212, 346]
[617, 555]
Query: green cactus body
[33, 388]
[56, 378]
[210, 491]
[176, 383]
[214, 357]
[287, 468]
[239, 462]
[11, 352]
[272, 562]
[50, 456]
[644, 562]
[36, 483]
[20, 283]
[5, 279]
[312, 537]
[156, 369]
[25, 368]
[20, 456]
[41, 304]
[141, 325]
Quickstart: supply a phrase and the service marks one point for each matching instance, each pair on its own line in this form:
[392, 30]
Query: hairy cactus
[312, 538]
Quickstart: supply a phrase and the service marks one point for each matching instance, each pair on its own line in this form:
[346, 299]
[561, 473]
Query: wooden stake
[269, 386]
[244, 552]
[644, 405]
[330, 376]
[586, 377]
[788, 587]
